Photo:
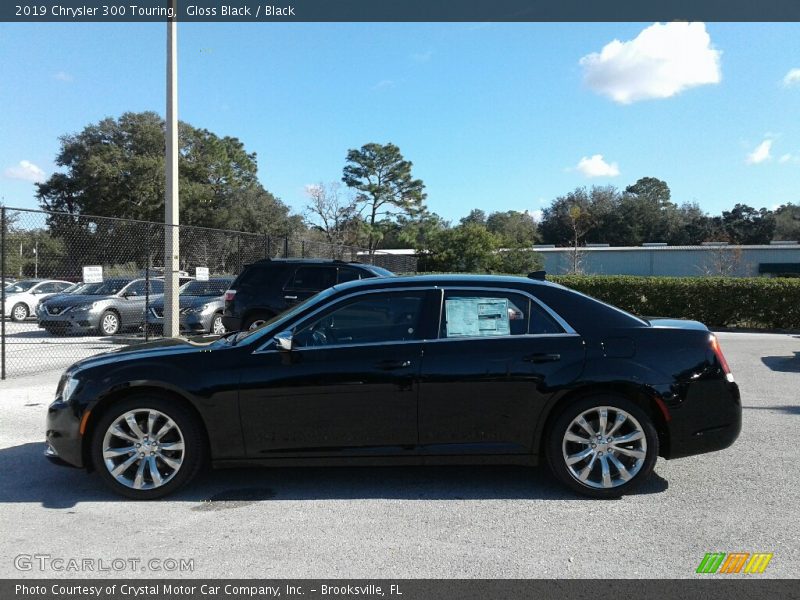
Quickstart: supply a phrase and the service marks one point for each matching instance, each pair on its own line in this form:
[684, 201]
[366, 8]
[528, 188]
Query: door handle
[391, 365]
[542, 358]
[290, 297]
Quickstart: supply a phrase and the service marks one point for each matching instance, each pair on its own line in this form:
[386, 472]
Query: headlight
[69, 387]
[196, 310]
[82, 307]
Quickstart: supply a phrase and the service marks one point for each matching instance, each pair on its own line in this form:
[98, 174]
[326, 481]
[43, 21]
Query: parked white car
[24, 296]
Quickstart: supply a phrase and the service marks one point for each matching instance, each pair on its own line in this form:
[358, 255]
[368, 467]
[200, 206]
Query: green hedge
[716, 301]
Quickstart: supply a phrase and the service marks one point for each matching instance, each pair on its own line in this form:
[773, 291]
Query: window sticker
[477, 317]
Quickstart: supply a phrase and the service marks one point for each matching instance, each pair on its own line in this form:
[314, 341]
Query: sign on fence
[201, 273]
[93, 274]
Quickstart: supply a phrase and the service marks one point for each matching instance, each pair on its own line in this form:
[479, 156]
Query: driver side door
[347, 387]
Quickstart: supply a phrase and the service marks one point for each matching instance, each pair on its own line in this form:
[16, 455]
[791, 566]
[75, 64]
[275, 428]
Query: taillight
[721, 358]
[229, 295]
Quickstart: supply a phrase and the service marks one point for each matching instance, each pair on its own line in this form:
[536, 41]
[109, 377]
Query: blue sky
[493, 116]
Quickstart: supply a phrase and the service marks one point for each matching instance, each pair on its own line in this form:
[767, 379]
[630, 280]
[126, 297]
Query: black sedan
[413, 371]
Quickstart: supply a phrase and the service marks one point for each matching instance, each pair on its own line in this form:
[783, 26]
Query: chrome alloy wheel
[20, 312]
[217, 328]
[143, 449]
[256, 324]
[110, 323]
[604, 447]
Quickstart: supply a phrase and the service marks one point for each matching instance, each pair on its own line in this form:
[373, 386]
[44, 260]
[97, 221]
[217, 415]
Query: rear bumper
[231, 323]
[709, 419]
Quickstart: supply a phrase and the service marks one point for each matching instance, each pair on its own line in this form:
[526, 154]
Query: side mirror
[283, 341]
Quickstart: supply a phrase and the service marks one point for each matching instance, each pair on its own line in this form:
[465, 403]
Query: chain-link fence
[75, 285]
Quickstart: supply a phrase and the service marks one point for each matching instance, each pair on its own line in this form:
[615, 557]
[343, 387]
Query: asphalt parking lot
[438, 522]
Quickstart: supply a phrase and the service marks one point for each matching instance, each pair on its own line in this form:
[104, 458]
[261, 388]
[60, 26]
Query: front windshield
[108, 287]
[276, 322]
[84, 288]
[20, 286]
[212, 287]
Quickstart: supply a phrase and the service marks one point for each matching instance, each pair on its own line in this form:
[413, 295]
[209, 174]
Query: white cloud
[792, 78]
[785, 158]
[760, 154]
[25, 170]
[662, 61]
[384, 84]
[63, 76]
[536, 214]
[422, 56]
[596, 166]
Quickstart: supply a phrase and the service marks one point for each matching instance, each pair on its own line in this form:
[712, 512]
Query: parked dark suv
[269, 287]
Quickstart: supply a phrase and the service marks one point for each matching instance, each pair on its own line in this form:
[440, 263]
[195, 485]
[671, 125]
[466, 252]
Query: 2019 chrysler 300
[407, 370]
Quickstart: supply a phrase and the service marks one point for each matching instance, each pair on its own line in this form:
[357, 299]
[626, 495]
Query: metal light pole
[171, 204]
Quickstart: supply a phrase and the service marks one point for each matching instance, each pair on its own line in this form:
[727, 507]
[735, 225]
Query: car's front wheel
[109, 323]
[19, 312]
[603, 446]
[147, 446]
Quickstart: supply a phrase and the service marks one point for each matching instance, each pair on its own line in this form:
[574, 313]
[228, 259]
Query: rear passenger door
[485, 380]
[307, 281]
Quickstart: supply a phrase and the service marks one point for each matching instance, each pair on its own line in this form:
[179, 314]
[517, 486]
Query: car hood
[146, 351]
[75, 299]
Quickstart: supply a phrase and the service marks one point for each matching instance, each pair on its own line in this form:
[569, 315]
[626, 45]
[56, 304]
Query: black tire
[194, 442]
[105, 328]
[556, 447]
[22, 309]
[255, 320]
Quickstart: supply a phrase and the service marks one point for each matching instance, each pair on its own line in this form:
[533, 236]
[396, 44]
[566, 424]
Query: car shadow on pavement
[29, 477]
[785, 364]
[789, 409]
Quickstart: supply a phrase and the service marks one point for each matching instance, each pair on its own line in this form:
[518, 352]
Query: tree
[513, 227]
[746, 225]
[654, 190]
[468, 248]
[382, 178]
[476, 216]
[333, 214]
[787, 222]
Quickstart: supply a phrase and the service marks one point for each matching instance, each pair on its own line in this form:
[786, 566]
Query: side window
[45, 288]
[374, 318]
[541, 322]
[136, 288]
[348, 275]
[60, 287]
[484, 314]
[313, 278]
[156, 287]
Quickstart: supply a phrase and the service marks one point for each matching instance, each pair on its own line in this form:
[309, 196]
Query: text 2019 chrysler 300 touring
[407, 370]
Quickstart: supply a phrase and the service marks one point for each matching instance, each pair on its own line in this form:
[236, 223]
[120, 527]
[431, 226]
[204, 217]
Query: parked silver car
[106, 308]
[200, 304]
[23, 297]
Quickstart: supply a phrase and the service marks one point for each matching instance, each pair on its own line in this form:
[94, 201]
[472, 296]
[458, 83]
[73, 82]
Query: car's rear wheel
[19, 312]
[603, 446]
[256, 321]
[217, 327]
[147, 447]
[109, 323]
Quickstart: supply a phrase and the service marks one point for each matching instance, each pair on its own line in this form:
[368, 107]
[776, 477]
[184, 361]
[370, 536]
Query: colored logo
[734, 562]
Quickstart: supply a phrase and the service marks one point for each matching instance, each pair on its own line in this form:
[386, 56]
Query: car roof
[446, 280]
[309, 261]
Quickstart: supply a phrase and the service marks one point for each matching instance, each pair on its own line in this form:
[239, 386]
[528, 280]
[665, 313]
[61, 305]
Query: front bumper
[191, 323]
[708, 419]
[69, 322]
[63, 440]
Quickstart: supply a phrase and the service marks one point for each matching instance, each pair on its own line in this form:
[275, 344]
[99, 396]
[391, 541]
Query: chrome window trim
[568, 330]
